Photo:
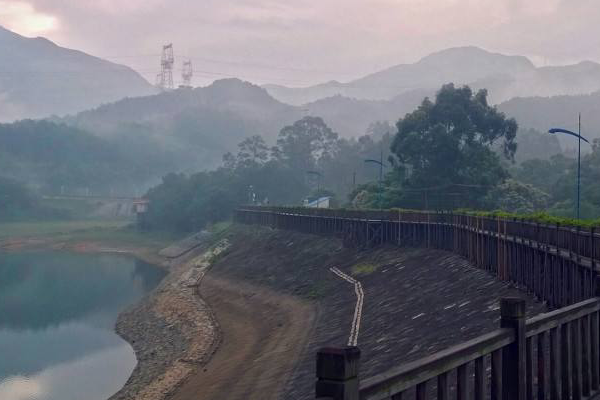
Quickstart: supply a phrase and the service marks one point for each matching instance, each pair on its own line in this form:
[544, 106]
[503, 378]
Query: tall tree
[253, 151]
[450, 141]
[305, 143]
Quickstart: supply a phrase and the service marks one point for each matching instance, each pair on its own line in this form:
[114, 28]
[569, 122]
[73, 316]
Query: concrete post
[512, 315]
[337, 373]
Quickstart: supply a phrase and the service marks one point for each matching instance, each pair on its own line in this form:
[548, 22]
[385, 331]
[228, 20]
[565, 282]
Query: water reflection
[57, 315]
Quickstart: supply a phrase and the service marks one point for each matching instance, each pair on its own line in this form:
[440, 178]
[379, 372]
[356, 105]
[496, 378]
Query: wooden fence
[557, 264]
[551, 356]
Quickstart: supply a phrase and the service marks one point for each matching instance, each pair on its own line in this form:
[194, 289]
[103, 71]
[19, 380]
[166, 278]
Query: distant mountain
[504, 76]
[352, 117]
[39, 78]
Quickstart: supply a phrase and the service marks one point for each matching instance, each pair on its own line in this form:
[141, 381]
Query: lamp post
[319, 176]
[580, 138]
[381, 165]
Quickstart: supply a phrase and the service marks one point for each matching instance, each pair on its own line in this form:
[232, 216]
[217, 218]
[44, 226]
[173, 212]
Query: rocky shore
[173, 331]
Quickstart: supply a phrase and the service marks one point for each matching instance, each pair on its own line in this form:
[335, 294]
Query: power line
[240, 63]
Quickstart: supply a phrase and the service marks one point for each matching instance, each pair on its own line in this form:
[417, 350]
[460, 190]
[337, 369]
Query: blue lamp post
[580, 138]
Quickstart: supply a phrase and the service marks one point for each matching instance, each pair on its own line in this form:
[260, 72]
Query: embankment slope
[417, 301]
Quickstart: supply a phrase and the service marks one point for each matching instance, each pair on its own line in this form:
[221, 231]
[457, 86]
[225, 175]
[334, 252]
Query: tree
[514, 196]
[449, 141]
[252, 151]
[305, 143]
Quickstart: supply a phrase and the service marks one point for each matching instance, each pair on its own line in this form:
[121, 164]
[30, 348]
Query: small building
[321, 202]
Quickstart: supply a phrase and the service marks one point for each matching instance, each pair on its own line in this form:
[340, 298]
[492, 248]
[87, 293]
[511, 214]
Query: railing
[551, 356]
[556, 264]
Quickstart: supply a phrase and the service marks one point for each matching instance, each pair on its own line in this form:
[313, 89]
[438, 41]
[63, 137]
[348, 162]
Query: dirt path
[263, 334]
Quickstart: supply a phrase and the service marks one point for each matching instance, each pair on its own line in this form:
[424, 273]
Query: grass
[316, 291]
[52, 228]
[108, 232]
[219, 227]
[364, 269]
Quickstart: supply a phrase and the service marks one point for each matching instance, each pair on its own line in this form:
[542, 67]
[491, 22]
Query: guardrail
[557, 264]
[551, 356]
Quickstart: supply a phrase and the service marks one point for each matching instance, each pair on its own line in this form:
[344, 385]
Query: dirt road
[263, 333]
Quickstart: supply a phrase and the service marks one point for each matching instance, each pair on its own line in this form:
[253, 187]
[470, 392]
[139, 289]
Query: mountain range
[504, 76]
[39, 78]
[189, 129]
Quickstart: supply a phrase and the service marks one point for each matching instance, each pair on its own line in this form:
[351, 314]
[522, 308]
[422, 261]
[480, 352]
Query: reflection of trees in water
[39, 290]
[149, 274]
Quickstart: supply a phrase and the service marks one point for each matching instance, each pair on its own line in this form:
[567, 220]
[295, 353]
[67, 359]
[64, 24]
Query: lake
[57, 316]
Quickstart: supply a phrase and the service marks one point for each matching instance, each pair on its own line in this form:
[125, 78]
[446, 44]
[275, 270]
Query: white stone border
[360, 295]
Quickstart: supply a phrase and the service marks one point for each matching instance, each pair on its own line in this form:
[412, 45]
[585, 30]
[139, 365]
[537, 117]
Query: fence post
[512, 315]
[337, 373]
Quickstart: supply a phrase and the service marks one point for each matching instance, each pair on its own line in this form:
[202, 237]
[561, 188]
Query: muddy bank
[263, 335]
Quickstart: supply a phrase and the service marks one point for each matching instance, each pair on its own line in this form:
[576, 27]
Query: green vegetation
[54, 159]
[17, 202]
[451, 153]
[53, 228]
[448, 145]
[263, 175]
[541, 217]
[364, 269]
[107, 232]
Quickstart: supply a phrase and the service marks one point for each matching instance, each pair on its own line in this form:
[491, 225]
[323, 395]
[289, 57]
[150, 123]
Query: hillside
[543, 113]
[39, 78]
[505, 77]
[198, 125]
[352, 117]
[54, 158]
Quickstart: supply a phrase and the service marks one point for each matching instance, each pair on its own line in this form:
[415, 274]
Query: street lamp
[580, 138]
[381, 165]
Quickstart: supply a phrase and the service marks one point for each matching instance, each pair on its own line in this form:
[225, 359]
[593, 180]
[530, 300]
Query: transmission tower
[164, 80]
[187, 73]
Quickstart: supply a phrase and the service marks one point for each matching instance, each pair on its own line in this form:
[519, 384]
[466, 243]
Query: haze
[299, 43]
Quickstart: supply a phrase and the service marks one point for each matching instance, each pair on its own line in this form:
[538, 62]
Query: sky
[303, 42]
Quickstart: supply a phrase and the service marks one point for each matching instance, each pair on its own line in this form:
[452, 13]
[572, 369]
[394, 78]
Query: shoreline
[172, 330]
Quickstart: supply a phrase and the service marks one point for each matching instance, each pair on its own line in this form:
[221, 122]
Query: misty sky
[302, 42]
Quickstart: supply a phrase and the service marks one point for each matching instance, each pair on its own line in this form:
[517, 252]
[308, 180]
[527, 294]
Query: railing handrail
[547, 321]
[406, 376]
[564, 228]
[395, 380]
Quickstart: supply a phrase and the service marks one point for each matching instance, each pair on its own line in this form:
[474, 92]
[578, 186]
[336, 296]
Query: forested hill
[227, 98]
[54, 157]
[543, 113]
[39, 78]
[198, 125]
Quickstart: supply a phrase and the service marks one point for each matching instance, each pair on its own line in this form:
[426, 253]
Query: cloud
[22, 17]
[348, 38]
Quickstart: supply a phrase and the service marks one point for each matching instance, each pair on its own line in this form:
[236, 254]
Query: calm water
[57, 317]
